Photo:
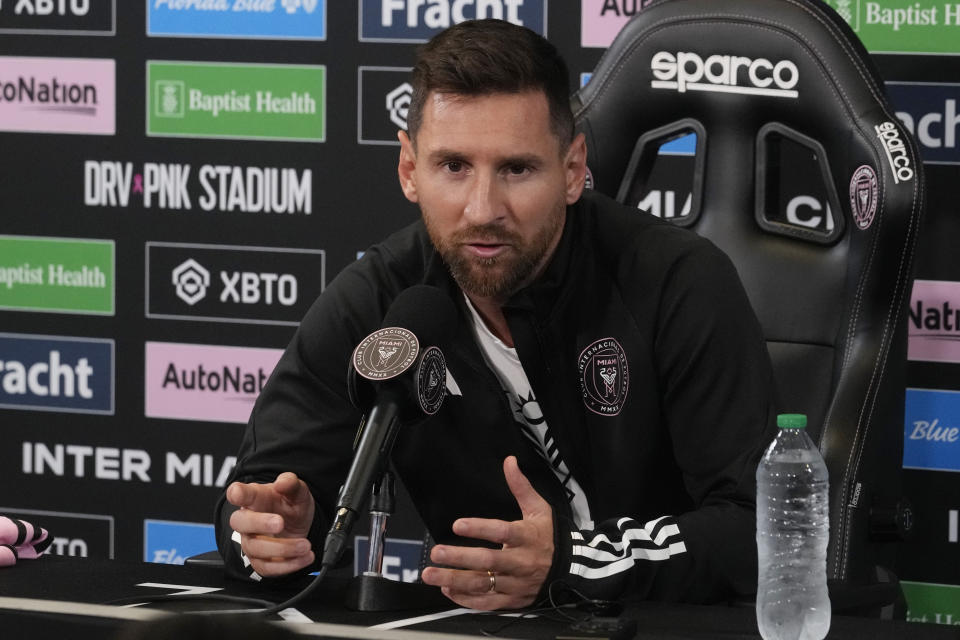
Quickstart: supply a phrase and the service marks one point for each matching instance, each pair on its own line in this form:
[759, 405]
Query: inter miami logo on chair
[863, 195]
[604, 377]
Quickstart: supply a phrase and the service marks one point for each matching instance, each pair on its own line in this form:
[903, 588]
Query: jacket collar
[544, 292]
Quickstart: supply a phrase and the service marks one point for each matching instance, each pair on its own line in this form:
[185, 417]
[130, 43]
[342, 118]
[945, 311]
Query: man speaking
[608, 392]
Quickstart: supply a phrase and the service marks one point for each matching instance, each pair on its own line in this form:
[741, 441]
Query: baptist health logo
[57, 275]
[169, 96]
[931, 602]
[191, 280]
[903, 26]
[845, 9]
[284, 102]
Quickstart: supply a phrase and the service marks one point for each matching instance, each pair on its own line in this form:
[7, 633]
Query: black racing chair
[807, 180]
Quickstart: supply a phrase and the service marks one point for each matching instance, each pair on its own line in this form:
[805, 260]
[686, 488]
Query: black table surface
[45, 598]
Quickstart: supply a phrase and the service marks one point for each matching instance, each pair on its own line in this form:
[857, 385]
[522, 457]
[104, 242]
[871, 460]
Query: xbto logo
[191, 280]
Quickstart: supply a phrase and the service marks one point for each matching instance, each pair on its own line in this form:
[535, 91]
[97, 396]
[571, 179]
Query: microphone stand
[371, 591]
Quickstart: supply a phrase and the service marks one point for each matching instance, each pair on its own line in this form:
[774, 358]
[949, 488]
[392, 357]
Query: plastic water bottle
[792, 533]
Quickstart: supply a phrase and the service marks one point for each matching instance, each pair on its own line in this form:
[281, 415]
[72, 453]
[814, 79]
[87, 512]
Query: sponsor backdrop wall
[180, 180]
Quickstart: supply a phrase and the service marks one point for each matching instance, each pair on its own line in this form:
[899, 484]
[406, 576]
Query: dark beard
[501, 276]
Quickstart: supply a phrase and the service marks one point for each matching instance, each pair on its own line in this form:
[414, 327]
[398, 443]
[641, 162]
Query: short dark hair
[483, 57]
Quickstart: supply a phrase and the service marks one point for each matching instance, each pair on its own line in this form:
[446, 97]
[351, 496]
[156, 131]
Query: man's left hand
[505, 578]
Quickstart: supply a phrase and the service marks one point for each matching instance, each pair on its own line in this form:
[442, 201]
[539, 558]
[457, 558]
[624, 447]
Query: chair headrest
[735, 71]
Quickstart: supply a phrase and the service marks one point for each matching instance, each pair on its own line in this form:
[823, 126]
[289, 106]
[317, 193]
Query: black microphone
[397, 374]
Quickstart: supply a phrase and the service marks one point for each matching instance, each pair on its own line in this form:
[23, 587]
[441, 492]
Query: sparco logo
[896, 151]
[686, 71]
[604, 377]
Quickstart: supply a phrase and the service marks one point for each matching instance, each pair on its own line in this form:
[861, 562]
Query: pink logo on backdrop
[58, 95]
[205, 382]
[934, 321]
[601, 20]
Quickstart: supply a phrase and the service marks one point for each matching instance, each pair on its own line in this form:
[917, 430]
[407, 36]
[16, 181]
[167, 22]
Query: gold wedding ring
[493, 582]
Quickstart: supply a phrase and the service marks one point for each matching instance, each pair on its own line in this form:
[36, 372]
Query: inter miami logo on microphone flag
[604, 377]
[386, 353]
[431, 380]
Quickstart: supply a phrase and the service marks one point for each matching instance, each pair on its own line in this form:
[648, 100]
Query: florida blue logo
[168, 542]
[419, 20]
[46, 373]
[931, 430]
[274, 19]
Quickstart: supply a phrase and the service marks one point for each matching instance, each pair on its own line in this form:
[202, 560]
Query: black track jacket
[666, 454]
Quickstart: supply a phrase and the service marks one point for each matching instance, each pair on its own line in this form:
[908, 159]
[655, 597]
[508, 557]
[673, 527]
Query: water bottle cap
[792, 421]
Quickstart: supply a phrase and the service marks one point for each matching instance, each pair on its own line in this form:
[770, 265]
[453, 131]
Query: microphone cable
[266, 607]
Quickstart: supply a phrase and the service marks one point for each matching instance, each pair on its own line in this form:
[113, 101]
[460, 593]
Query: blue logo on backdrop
[401, 558]
[267, 19]
[932, 113]
[167, 542]
[47, 373]
[931, 434]
[419, 20]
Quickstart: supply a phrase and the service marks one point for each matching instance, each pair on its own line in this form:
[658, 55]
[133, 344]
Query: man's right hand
[273, 521]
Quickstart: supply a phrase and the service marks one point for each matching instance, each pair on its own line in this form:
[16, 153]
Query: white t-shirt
[506, 365]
